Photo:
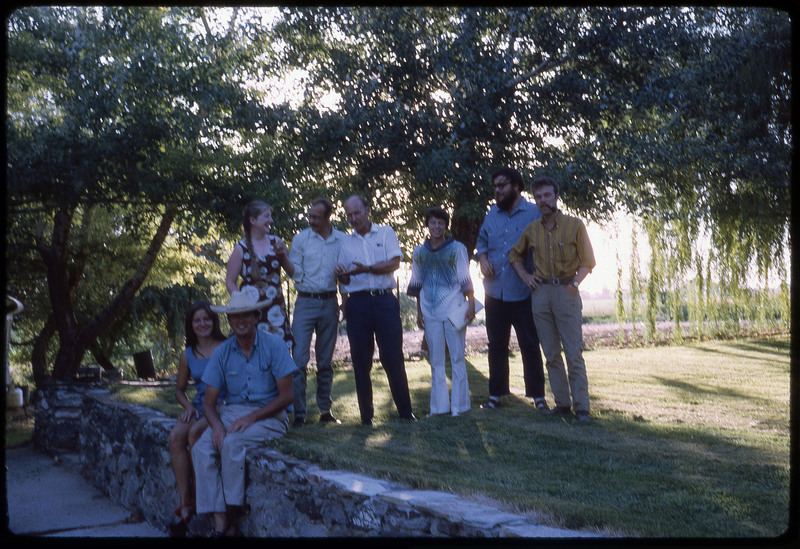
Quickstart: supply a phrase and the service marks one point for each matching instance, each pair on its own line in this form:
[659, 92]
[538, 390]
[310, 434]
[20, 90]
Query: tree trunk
[58, 285]
[39, 352]
[101, 357]
[76, 341]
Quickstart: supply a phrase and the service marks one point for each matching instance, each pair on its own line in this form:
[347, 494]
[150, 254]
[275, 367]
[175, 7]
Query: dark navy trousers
[370, 319]
[500, 317]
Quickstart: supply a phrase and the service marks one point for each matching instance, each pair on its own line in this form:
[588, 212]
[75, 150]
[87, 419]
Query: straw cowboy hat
[241, 302]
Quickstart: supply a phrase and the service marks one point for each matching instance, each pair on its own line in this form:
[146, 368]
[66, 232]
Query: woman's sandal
[179, 512]
[180, 528]
[230, 532]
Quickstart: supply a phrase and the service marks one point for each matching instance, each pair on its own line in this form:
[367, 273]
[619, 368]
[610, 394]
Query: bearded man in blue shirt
[508, 299]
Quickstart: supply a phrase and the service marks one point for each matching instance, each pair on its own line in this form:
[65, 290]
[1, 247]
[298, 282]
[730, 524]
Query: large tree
[132, 134]
[125, 135]
[654, 110]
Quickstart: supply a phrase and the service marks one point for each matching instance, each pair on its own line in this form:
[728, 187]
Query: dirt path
[594, 335]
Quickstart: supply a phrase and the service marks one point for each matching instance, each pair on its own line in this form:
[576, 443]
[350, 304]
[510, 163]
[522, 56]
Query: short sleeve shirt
[250, 380]
[314, 259]
[378, 245]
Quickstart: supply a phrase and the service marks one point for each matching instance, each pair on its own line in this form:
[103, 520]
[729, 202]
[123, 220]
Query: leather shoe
[541, 405]
[298, 422]
[328, 418]
[366, 422]
[558, 410]
[583, 416]
[410, 417]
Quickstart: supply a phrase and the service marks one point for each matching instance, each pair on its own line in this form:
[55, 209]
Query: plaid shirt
[557, 253]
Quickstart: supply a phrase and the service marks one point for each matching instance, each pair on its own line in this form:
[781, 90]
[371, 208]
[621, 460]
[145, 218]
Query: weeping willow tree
[654, 280]
[717, 171]
[710, 290]
[698, 305]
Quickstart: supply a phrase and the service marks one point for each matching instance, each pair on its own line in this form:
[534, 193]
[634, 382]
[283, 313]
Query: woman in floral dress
[256, 262]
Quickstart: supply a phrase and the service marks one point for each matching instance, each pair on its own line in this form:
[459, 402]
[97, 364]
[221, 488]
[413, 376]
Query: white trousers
[222, 483]
[439, 333]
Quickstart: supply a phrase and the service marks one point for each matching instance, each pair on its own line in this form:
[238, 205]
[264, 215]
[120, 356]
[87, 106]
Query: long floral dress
[273, 317]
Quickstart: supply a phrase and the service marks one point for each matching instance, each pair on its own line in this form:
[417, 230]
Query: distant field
[598, 307]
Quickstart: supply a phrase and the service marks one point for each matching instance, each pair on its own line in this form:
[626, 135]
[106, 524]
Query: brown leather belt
[321, 295]
[557, 281]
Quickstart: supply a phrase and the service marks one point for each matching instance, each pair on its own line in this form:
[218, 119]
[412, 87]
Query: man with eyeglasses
[507, 296]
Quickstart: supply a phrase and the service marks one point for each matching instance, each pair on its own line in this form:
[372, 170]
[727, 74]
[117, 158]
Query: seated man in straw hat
[256, 369]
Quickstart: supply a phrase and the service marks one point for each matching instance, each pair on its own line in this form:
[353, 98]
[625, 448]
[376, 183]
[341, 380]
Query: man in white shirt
[314, 254]
[367, 260]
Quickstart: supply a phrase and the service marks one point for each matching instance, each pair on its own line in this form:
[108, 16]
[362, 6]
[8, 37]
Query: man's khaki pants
[558, 318]
[220, 484]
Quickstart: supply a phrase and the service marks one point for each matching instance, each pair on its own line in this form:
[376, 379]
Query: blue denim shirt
[250, 380]
[196, 368]
[499, 232]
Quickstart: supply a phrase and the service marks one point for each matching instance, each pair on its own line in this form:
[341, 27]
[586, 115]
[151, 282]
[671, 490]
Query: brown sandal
[230, 532]
[179, 512]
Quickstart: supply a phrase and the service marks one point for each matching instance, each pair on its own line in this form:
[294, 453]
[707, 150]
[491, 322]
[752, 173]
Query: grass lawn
[686, 441]
[18, 427]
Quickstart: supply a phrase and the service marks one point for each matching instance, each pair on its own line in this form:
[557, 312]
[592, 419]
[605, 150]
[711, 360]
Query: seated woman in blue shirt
[203, 336]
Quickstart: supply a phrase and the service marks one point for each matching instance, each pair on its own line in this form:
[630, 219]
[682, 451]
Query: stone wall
[123, 451]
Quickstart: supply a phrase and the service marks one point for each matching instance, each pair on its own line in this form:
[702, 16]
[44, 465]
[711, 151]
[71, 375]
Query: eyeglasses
[500, 186]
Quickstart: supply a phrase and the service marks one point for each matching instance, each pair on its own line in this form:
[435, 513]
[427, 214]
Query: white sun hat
[240, 302]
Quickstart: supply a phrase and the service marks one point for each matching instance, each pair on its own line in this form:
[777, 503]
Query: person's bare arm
[233, 269]
[529, 279]
[382, 267]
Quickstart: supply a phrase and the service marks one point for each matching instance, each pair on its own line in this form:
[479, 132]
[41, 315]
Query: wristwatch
[575, 283]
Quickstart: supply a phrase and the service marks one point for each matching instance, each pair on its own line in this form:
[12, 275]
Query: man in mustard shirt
[563, 257]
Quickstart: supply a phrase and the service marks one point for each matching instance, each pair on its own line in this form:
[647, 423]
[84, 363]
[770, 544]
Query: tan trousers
[558, 318]
[221, 483]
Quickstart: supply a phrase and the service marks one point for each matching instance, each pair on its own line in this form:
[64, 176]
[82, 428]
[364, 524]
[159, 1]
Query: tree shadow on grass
[770, 348]
[642, 477]
[687, 390]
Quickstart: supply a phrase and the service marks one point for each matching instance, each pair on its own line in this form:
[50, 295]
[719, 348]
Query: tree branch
[205, 22]
[233, 22]
[547, 62]
[103, 320]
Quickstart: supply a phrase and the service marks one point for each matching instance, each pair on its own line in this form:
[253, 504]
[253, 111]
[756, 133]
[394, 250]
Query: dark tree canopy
[661, 111]
[135, 136]
[123, 142]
